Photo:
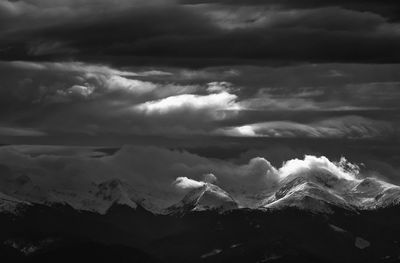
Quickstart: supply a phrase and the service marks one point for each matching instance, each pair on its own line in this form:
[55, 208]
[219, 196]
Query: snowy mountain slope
[319, 192]
[306, 195]
[98, 198]
[207, 197]
[115, 191]
[373, 193]
[11, 205]
[22, 187]
[95, 197]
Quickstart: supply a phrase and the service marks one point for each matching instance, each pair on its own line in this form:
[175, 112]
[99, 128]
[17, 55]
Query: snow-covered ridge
[96, 184]
[317, 193]
[96, 198]
[99, 197]
[206, 197]
[320, 192]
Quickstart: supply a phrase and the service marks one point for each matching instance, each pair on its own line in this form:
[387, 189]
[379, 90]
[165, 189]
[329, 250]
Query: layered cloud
[50, 98]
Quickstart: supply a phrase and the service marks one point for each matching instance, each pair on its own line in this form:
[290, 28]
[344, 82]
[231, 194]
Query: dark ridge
[243, 235]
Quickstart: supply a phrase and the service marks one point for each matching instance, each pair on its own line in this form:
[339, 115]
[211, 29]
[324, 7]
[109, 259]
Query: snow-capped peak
[116, 192]
[319, 192]
[307, 195]
[206, 197]
[96, 198]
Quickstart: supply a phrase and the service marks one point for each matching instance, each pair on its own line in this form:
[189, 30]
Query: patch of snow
[27, 247]
[337, 229]
[212, 253]
[269, 258]
[235, 245]
[361, 243]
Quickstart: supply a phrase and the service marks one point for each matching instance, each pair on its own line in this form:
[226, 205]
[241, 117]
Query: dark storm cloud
[167, 33]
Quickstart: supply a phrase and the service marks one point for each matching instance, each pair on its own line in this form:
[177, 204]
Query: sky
[196, 68]
[169, 94]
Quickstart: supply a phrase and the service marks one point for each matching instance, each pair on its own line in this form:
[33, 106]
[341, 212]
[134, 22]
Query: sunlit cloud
[213, 102]
[345, 127]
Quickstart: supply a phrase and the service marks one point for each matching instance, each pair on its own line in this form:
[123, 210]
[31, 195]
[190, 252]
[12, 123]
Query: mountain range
[317, 192]
[288, 224]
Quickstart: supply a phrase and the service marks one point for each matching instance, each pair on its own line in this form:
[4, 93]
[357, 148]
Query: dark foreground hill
[62, 234]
